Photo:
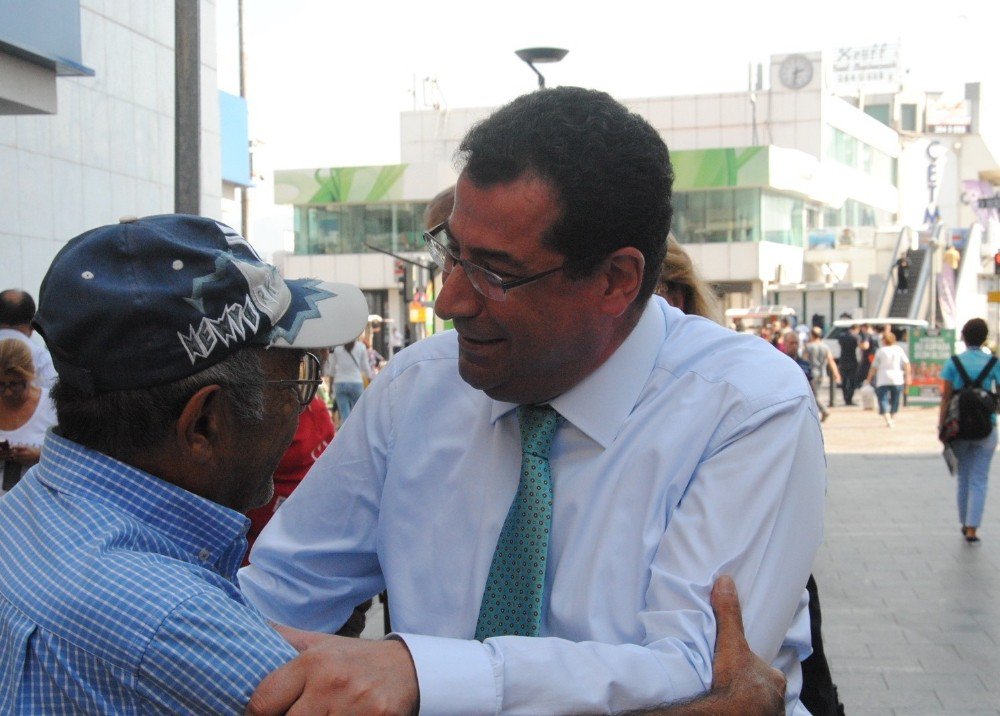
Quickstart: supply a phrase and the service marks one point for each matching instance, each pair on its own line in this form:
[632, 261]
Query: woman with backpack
[973, 456]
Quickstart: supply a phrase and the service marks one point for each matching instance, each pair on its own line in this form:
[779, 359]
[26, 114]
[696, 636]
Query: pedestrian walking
[974, 456]
[817, 354]
[868, 345]
[890, 372]
[848, 363]
[351, 373]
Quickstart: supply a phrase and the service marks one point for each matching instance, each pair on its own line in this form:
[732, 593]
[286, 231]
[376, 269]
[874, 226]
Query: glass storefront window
[881, 112]
[843, 148]
[746, 215]
[351, 229]
[782, 219]
[716, 216]
[854, 213]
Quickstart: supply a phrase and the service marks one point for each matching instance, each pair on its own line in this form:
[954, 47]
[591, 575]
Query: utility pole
[245, 191]
[187, 107]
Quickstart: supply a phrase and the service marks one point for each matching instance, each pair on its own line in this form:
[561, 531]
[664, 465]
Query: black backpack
[971, 408]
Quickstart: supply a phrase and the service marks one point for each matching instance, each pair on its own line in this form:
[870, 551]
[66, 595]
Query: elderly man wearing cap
[182, 372]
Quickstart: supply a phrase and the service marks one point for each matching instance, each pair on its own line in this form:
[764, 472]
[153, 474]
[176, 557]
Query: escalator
[904, 301]
[953, 294]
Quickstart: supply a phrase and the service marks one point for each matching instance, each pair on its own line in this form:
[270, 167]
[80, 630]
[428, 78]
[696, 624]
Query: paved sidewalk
[911, 612]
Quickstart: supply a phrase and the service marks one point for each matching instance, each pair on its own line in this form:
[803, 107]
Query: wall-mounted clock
[796, 71]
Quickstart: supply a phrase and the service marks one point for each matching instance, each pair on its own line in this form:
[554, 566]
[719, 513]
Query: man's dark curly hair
[974, 332]
[610, 170]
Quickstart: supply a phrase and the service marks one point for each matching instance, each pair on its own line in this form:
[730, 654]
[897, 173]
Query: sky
[327, 79]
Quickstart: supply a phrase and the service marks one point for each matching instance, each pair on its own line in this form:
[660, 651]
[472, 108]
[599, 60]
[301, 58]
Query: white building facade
[789, 193]
[82, 149]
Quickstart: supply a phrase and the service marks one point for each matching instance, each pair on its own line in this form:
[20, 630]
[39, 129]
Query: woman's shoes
[970, 535]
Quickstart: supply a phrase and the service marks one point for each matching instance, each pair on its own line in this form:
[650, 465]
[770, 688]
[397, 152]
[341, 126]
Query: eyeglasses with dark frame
[483, 280]
[308, 382]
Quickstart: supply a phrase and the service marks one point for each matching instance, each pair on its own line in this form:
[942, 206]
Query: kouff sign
[869, 68]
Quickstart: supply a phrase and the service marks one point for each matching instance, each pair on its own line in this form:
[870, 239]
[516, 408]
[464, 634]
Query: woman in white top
[26, 412]
[350, 367]
[891, 372]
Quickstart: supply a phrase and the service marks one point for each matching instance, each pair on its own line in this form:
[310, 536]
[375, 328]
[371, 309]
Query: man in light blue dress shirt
[180, 357]
[685, 452]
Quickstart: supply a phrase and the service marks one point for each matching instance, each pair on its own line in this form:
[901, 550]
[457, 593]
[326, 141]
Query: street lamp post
[539, 55]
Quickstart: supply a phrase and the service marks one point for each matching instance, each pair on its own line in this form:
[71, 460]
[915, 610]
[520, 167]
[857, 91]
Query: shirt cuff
[455, 676]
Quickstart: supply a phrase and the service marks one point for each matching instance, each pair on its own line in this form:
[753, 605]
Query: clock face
[796, 71]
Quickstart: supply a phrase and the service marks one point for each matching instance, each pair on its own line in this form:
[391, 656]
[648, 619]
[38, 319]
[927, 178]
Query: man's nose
[458, 297]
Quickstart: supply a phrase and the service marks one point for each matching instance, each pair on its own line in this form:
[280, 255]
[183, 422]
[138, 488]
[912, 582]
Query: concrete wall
[109, 150]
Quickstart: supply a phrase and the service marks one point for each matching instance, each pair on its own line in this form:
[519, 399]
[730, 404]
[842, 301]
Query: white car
[899, 326]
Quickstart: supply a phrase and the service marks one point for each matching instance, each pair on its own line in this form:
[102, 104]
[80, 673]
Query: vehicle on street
[750, 320]
[900, 326]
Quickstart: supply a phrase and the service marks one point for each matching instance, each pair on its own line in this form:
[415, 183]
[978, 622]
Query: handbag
[867, 396]
[365, 380]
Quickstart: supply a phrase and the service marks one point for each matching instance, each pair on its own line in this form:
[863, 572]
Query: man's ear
[200, 425]
[623, 271]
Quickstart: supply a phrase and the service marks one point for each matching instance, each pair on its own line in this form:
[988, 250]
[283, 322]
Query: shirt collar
[615, 385]
[210, 533]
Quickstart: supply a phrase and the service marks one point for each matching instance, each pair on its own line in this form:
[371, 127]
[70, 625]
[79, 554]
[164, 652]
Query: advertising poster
[929, 348]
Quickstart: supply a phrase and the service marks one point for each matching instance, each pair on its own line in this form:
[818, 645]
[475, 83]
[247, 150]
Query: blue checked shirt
[117, 595]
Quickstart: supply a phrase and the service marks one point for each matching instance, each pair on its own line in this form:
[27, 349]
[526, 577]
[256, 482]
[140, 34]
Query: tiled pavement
[911, 613]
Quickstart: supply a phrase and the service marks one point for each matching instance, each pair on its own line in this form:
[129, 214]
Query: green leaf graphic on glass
[716, 168]
[334, 188]
[367, 183]
[386, 179]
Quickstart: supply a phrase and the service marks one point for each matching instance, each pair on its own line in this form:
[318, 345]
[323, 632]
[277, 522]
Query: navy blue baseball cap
[149, 301]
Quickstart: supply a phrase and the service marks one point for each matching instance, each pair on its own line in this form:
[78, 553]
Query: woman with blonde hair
[682, 287]
[26, 412]
[890, 372]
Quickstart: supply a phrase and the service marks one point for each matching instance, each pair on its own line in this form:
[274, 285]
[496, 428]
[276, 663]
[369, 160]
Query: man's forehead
[528, 187]
[526, 199]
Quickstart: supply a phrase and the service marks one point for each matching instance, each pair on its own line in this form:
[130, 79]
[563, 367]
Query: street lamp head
[539, 55]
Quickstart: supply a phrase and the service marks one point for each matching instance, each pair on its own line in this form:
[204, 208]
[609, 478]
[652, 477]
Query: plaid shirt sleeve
[207, 657]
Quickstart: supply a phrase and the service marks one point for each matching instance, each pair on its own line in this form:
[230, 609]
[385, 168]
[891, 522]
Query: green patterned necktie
[512, 600]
